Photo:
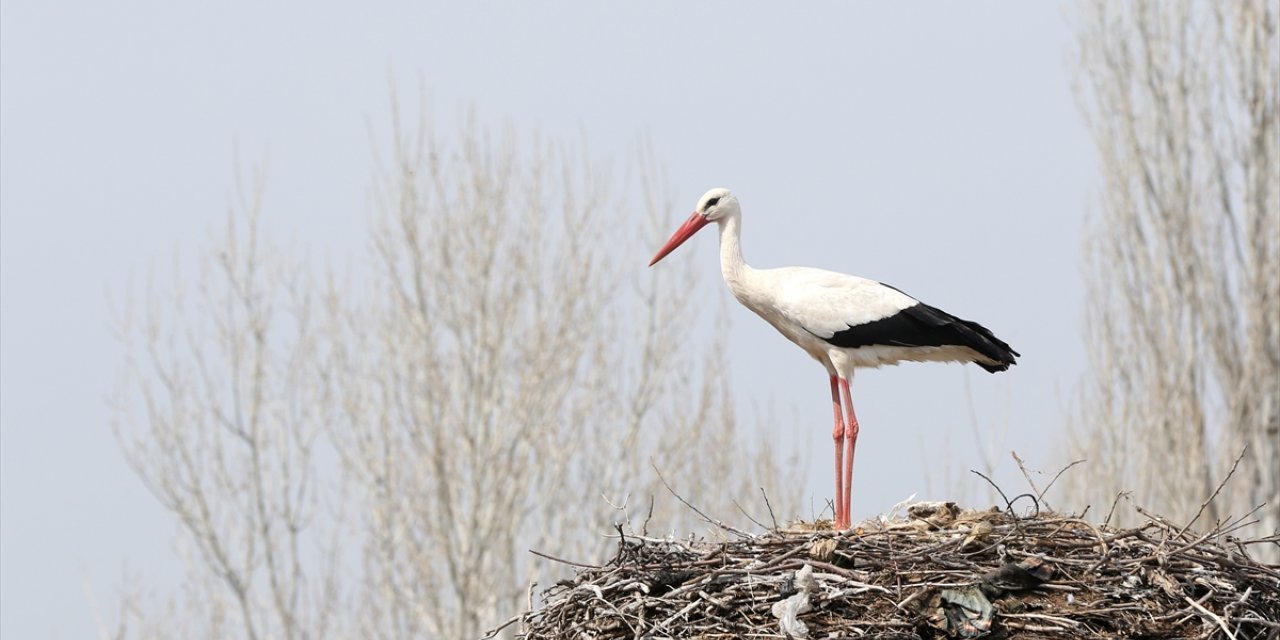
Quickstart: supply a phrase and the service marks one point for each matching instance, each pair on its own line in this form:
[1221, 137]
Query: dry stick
[1041, 616]
[696, 510]
[677, 614]
[1055, 479]
[1107, 522]
[622, 541]
[617, 611]
[749, 516]
[1274, 539]
[1007, 502]
[494, 631]
[532, 585]
[1243, 600]
[1205, 504]
[1212, 615]
[770, 507]
[995, 486]
[1024, 471]
[563, 561]
[1102, 541]
[1040, 492]
[1240, 522]
[644, 528]
[1270, 624]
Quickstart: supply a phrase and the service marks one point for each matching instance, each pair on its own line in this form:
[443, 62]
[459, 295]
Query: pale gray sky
[932, 146]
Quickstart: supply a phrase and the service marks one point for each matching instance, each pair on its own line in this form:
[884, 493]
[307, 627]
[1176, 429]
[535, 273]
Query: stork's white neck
[734, 269]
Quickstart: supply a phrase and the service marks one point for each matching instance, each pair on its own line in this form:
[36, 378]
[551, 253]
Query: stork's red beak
[686, 230]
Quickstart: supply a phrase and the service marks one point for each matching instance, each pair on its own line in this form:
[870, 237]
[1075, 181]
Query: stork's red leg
[850, 438]
[837, 434]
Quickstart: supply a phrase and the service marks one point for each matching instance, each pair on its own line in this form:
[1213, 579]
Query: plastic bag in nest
[962, 613]
[788, 611]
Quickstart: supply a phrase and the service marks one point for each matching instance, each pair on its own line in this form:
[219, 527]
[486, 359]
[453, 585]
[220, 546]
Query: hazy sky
[933, 146]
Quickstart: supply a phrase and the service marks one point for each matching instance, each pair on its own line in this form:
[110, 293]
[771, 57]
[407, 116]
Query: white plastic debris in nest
[788, 611]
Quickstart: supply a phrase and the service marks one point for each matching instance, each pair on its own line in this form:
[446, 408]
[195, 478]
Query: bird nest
[937, 573]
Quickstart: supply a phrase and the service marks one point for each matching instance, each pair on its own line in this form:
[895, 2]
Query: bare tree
[215, 413]
[501, 374]
[1183, 258]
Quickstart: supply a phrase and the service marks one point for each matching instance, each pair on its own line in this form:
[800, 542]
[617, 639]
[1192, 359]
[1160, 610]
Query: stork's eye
[711, 203]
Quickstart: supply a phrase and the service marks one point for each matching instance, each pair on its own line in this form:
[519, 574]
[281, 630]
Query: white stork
[843, 321]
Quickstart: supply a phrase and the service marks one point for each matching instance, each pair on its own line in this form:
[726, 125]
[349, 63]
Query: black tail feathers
[980, 339]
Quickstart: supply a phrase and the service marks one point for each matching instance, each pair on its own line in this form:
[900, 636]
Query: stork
[842, 321]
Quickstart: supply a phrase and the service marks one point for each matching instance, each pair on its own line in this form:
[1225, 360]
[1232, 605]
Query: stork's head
[714, 206]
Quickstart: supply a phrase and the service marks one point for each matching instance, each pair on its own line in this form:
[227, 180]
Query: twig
[1041, 616]
[644, 528]
[1212, 615]
[1055, 479]
[770, 507]
[749, 517]
[622, 541]
[1107, 521]
[696, 510]
[563, 561]
[995, 486]
[1035, 502]
[1204, 505]
[494, 631]
[675, 615]
[1039, 496]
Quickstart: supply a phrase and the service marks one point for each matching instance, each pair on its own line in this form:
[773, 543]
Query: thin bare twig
[563, 561]
[749, 516]
[1112, 511]
[770, 507]
[704, 516]
[1205, 504]
[1213, 616]
[1055, 479]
